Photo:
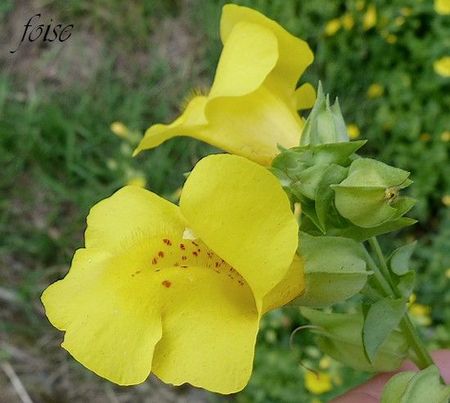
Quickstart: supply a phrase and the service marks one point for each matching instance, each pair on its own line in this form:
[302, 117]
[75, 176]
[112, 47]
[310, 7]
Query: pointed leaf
[400, 259]
[381, 319]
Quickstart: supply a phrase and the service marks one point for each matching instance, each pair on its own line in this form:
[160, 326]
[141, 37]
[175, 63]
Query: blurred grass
[135, 62]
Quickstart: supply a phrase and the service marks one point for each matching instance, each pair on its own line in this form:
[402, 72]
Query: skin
[371, 391]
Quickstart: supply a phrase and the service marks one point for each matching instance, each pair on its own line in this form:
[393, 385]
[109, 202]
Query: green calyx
[369, 195]
[341, 194]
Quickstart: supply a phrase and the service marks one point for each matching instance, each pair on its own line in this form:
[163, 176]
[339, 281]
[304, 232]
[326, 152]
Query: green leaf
[335, 269]
[339, 335]
[406, 283]
[400, 259]
[381, 319]
[411, 387]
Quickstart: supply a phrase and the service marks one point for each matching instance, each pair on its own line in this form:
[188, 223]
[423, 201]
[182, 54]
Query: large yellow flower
[253, 102]
[179, 291]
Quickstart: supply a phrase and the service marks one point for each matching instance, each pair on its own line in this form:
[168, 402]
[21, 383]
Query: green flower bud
[369, 196]
[340, 336]
[325, 123]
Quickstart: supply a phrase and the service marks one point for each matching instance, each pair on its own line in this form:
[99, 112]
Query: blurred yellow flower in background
[445, 136]
[370, 17]
[332, 26]
[421, 314]
[120, 130]
[446, 200]
[353, 131]
[253, 104]
[318, 383]
[442, 6]
[406, 11]
[425, 137]
[347, 21]
[375, 90]
[442, 66]
[391, 38]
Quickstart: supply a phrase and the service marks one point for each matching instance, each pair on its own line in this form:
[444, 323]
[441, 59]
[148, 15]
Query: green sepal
[381, 319]
[416, 387]
[335, 270]
[325, 209]
[339, 335]
[400, 259]
[362, 234]
[368, 197]
[367, 172]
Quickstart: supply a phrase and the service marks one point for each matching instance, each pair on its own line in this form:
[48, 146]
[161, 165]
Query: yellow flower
[370, 18]
[391, 38]
[179, 291]
[375, 91]
[252, 105]
[425, 137]
[447, 273]
[360, 5]
[399, 21]
[442, 6]
[347, 21]
[420, 313]
[353, 131]
[406, 11]
[442, 66]
[445, 136]
[120, 130]
[332, 26]
[318, 383]
[446, 200]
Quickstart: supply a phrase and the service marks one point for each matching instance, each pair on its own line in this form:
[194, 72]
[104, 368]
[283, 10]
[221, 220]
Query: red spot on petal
[166, 283]
[183, 257]
[195, 253]
[154, 260]
[161, 253]
[167, 241]
[194, 243]
[182, 246]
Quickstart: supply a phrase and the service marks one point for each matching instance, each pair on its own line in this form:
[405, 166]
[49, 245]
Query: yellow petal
[240, 211]
[190, 123]
[442, 66]
[253, 125]
[305, 96]
[210, 324]
[131, 216]
[289, 288]
[442, 6]
[294, 54]
[248, 56]
[111, 318]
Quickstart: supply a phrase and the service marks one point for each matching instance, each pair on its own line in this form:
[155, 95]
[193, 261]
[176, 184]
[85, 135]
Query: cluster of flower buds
[341, 193]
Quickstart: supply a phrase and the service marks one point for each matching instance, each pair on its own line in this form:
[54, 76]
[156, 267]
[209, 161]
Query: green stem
[422, 357]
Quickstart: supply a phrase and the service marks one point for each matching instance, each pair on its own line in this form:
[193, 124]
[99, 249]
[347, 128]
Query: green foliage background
[58, 156]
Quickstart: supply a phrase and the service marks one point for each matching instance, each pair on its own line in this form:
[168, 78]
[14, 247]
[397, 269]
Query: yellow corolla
[253, 103]
[179, 291]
